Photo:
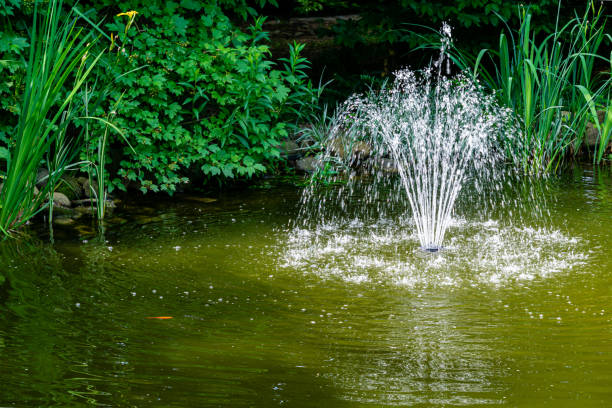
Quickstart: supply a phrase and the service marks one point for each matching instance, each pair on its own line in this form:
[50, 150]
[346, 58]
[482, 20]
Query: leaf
[191, 5]
[4, 153]
[180, 24]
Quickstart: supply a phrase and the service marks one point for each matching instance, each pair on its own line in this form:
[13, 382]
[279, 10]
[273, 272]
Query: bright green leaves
[207, 97]
[12, 43]
[179, 24]
[4, 153]
[191, 5]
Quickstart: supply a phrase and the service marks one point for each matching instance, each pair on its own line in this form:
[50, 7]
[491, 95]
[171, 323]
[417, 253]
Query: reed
[550, 83]
[59, 63]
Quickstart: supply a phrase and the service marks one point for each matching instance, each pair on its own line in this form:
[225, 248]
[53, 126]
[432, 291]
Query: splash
[403, 165]
[423, 137]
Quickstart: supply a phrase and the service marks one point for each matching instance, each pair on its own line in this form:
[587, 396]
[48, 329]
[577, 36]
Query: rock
[70, 187]
[87, 187]
[117, 221]
[290, 150]
[63, 221]
[340, 147]
[143, 219]
[336, 146]
[361, 150]
[85, 231]
[89, 202]
[84, 202]
[308, 145]
[385, 165]
[308, 164]
[205, 200]
[83, 209]
[61, 200]
[41, 177]
[67, 212]
[591, 134]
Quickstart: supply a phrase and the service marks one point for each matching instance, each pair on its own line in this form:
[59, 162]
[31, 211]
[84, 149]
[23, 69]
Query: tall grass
[599, 104]
[95, 149]
[59, 55]
[550, 83]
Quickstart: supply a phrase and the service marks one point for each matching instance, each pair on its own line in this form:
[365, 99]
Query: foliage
[548, 81]
[386, 21]
[309, 6]
[207, 99]
[12, 69]
[599, 113]
[96, 150]
[60, 53]
[319, 129]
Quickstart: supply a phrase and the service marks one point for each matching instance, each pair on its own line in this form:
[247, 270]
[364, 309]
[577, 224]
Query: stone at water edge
[384, 164]
[83, 209]
[87, 189]
[591, 134]
[290, 150]
[70, 187]
[361, 150]
[336, 146]
[41, 177]
[308, 164]
[205, 200]
[89, 206]
[61, 200]
[63, 220]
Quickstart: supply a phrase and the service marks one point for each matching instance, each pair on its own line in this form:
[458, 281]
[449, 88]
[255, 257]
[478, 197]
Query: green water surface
[252, 326]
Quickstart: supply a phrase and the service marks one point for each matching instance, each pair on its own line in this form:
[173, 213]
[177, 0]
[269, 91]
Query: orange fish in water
[159, 317]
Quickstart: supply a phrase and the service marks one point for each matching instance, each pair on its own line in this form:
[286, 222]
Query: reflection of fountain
[420, 354]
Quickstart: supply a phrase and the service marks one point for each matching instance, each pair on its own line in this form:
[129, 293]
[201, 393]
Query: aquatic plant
[599, 113]
[59, 55]
[549, 82]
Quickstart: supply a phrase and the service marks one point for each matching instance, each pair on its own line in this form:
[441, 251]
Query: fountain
[413, 188]
[434, 131]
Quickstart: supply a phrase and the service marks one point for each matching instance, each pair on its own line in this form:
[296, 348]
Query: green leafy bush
[12, 70]
[207, 101]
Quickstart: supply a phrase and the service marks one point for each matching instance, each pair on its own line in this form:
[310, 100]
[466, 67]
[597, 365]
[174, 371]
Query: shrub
[12, 70]
[208, 100]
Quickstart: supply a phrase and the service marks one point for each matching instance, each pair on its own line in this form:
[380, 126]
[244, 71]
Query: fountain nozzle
[432, 248]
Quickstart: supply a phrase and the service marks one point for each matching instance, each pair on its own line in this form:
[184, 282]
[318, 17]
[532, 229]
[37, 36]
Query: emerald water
[516, 311]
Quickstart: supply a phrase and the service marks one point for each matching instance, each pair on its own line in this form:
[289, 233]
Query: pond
[199, 302]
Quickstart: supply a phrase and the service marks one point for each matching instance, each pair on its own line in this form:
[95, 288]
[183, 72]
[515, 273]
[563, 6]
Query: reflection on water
[512, 314]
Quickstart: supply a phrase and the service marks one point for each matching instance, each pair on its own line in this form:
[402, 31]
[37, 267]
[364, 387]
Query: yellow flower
[130, 14]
